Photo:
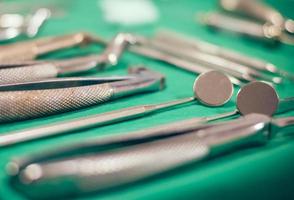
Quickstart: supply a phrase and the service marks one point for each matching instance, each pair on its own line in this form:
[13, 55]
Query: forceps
[107, 169]
[260, 11]
[21, 71]
[29, 50]
[40, 98]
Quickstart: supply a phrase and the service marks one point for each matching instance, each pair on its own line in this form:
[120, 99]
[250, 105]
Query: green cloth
[261, 173]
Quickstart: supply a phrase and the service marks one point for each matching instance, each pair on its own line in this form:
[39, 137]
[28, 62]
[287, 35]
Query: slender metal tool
[108, 169]
[192, 44]
[22, 71]
[232, 68]
[41, 98]
[212, 88]
[170, 59]
[29, 50]
[265, 32]
[260, 11]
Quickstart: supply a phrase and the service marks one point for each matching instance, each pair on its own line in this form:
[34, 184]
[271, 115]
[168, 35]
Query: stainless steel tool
[29, 50]
[198, 62]
[107, 169]
[22, 71]
[41, 98]
[265, 32]
[212, 88]
[232, 68]
[167, 58]
[260, 11]
[189, 45]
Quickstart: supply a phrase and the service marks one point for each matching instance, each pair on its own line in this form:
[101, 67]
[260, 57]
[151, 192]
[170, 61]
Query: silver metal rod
[235, 69]
[175, 61]
[194, 44]
[8, 139]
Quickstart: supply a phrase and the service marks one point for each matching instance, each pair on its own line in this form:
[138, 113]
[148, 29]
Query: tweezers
[21, 71]
[22, 101]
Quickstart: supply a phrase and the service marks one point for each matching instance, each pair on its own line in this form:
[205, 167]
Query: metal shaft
[84, 123]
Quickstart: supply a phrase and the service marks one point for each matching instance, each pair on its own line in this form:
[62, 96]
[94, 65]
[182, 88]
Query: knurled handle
[106, 170]
[27, 73]
[21, 105]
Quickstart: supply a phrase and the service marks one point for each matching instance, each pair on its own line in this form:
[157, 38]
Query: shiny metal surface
[107, 169]
[231, 68]
[217, 97]
[36, 99]
[191, 45]
[48, 69]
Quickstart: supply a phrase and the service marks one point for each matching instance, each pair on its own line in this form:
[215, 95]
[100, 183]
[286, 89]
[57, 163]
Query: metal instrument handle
[255, 9]
[94, 172]
[21, 105]
[31, 49]
[114, 168]
[35, 99]
[241, 26]
[25, 73]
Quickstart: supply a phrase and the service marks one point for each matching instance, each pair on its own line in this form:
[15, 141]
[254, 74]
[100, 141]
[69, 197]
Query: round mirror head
[257, 97]
[213, 88]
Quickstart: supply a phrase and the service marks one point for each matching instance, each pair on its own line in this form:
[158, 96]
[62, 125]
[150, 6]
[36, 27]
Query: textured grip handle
[27, 73]
[20, 105]
[106, 170]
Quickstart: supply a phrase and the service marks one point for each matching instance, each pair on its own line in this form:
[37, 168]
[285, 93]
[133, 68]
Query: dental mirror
[257, 97]
[213, 88]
